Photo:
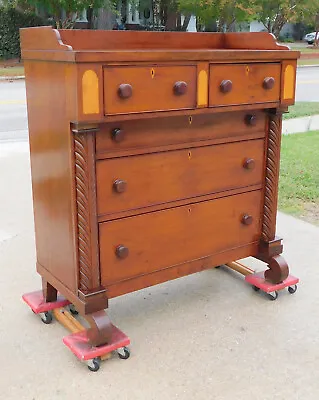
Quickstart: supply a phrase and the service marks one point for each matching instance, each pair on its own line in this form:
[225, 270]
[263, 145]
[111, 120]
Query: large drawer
[127, 183]
[146, 243]
[152, 88]
[147, 134]
[244, 83]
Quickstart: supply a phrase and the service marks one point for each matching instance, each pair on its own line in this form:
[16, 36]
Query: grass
[304, 49]
[302, 109]
[299, 176]
[311, 61]
[11, 71]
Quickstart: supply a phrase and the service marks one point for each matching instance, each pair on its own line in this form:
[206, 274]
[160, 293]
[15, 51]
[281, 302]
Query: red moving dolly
[77, 341]
[258, 281]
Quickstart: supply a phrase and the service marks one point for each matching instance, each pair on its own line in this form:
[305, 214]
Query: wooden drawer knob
[125, 91]
[118, 135]
[226, 86]
[247, 219]
[121, 252]
[269, 82]
[249, 163]
[180, 88]
[120, 186]
[251, 119]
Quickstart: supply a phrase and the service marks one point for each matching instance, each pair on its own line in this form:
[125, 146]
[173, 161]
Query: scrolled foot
[100, 331]
[278, 270]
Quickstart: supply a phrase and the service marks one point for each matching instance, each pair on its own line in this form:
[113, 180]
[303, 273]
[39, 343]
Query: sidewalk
[206, 336]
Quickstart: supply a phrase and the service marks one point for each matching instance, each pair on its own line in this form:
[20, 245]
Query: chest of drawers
[153, 156]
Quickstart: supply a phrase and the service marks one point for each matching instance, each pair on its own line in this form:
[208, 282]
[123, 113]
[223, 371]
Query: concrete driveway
[206, 336]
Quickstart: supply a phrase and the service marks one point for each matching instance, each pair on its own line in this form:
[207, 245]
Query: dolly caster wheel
[94, 364]
[73, 311]
[256, 289]
[123, 353]
[46, 317]
[292, 289]
[272, 296]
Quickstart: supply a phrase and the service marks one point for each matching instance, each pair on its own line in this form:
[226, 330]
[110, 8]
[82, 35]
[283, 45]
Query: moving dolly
[77, 341]
[258, 282]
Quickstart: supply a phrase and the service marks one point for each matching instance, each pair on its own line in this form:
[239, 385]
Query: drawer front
[152, 88]
[244, 84]
[145, 134]
[146, 243]
[127, 183]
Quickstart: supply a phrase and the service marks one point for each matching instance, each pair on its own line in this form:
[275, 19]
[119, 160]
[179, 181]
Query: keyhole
[247, 70]
[189, 155]
[189, 210]
[190, 120]
[152, 73]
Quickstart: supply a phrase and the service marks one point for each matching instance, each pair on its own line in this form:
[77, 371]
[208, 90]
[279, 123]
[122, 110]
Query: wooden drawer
[152, 88]
[139, 181]
[137, 136]
[244, 83]
[142, 244]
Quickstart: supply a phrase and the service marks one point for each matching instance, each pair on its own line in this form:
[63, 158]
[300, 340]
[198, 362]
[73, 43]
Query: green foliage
[225, 12]
[66, 12]
[10, 22]
[274, 14]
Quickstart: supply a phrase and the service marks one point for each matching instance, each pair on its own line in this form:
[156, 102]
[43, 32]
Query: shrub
[10, 22]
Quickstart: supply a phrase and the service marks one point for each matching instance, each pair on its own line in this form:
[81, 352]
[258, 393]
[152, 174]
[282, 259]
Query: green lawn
[311, 61]
[304, 49]
[12, 71]
[302, 109]
[299, 176]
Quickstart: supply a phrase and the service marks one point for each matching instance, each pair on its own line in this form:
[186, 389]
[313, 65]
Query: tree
[224, 12]
[310, 14]
[274, 14]
[64, 12]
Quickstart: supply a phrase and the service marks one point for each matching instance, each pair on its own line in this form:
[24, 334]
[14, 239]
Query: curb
[307, 66]
[11, 78]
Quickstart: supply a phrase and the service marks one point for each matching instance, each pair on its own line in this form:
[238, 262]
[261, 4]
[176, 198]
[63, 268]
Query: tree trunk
[186, 22]
[316, 42]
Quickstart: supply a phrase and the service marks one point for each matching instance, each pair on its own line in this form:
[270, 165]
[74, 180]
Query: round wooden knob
[247, 219]
[125, 91]
[121, 252]
[269, 82]
[251, 119]
[180, 88]
[119, 185]
[249, 163]
[118, 135]
[226, 86]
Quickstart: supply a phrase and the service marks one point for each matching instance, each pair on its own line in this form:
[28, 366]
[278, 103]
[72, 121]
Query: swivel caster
[72, 309]
[94, 364]
[292, 289]
[255, 288]
[272, 296]
[123, 353]
[46, 317]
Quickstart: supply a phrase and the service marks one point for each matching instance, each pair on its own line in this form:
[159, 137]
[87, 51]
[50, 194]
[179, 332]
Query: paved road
[13, 114]
[307, 84]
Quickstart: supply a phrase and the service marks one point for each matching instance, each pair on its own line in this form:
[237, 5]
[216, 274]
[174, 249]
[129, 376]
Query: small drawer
[232, 84]
[150, 242]
[153, 88]
[128, 183]
[147, 134]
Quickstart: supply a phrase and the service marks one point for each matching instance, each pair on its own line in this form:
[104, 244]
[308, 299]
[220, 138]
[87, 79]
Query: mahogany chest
[154, 155]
